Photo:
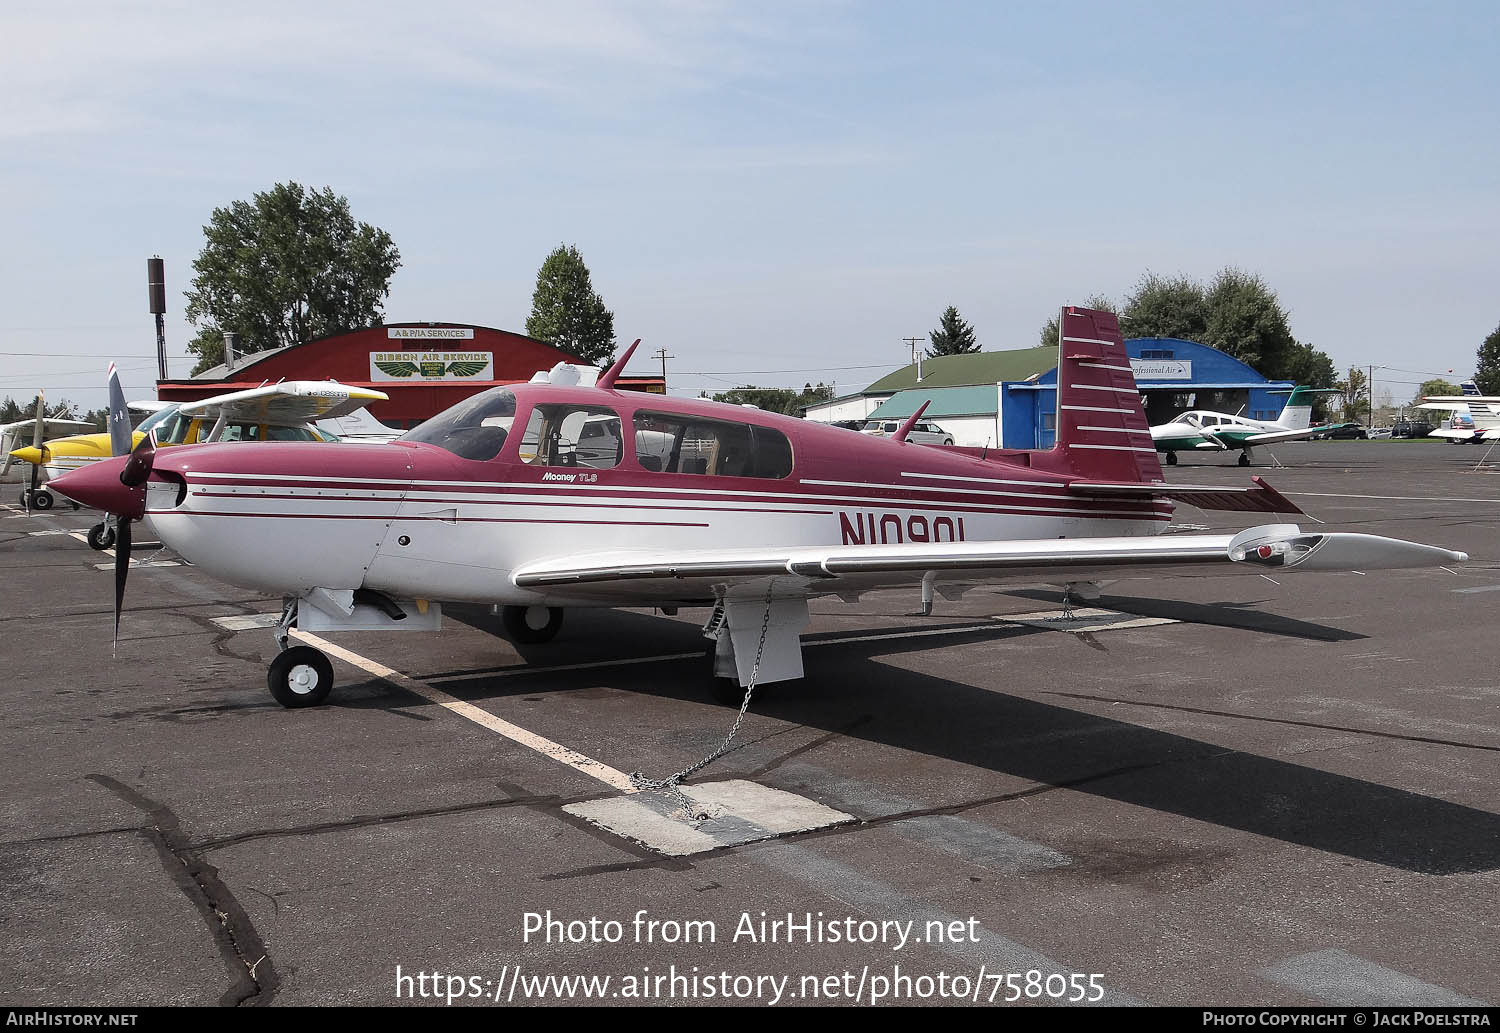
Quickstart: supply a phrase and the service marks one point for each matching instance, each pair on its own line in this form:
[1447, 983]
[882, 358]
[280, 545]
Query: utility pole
[916, 356]
[661, 353]
[1372, 397]
[156, 285]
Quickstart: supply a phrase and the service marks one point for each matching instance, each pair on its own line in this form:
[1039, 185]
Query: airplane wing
[829, 570]
[1457, 403]
[52, 426]
[291, 403]
[1288, 435]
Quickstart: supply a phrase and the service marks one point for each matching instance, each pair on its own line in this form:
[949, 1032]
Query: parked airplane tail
[1101, 423]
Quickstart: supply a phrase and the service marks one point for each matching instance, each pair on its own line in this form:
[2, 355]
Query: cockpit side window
[572, 435]
[677, 443]
[475, 428]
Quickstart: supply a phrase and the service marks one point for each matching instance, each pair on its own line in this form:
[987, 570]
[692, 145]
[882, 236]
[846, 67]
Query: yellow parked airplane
[273, 412]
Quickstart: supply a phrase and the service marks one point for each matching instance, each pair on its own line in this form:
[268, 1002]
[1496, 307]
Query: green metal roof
[946, 401]
[965, 370]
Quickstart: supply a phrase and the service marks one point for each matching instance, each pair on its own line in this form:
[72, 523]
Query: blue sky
[790, 186]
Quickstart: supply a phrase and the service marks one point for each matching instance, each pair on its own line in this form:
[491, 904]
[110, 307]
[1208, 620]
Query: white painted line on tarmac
[546, 747]
[1349, 981]
[1481, 588]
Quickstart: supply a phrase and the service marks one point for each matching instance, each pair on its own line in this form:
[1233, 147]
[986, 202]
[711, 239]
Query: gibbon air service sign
[431, 365]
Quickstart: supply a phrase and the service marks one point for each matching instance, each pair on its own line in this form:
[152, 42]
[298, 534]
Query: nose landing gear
[101, 536]
[300, 676]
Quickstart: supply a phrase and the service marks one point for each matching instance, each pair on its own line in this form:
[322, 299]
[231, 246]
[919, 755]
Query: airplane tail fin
[1297, 413]
[1101, 423]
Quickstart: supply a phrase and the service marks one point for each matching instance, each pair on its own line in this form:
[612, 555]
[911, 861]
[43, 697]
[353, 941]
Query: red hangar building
[424, 367]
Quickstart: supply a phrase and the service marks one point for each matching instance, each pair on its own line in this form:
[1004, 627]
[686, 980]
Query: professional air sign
[414, 365]
[1162, 369]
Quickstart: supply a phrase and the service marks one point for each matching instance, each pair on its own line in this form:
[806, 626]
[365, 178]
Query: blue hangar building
[1173, 375]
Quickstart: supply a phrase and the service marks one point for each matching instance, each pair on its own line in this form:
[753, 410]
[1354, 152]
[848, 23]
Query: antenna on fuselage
[911, 421]
[608, 377]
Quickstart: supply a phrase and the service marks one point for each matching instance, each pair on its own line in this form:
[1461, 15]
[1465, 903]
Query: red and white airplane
[557, 494]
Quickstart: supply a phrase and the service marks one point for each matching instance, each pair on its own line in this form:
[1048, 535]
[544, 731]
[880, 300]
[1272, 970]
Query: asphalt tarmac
[1221, 790]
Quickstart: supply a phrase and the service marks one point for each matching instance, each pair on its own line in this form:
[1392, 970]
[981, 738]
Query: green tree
[1437, 386]
[1355, 390]
[1309, 367]
[1162, 306]
[567, 312]
[10, 412]
[1049, 328]
[289, 266]
[777, 399]
[1487, 372]
[1246, 320]
[953, 336]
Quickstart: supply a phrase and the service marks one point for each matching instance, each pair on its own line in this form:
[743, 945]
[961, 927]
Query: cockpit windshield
[170, 425]
[475, 428]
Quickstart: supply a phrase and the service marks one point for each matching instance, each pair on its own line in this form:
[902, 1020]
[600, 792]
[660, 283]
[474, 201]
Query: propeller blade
[138, 466]
[122, 568]
[119, 417]
[36, 442]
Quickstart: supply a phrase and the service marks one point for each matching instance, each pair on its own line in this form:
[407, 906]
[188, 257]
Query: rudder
[1101, 423]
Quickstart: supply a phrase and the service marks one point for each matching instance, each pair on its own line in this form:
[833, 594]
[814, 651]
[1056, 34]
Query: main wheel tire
[1244, 458]
[101, 536]
[300, 677]
[1171, 458]
[531, 625]
[42, 499]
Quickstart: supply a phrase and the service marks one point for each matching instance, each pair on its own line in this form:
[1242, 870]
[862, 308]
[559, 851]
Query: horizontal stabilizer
[1260, 498]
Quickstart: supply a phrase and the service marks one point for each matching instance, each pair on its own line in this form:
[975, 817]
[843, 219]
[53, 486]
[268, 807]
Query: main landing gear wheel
[300, 677]
[1171, 458]
[1244, 458]
[101, 536]
[530, 625]
[41, 499]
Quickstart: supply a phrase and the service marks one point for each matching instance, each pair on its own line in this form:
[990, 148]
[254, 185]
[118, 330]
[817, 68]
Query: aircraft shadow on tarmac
[1051, 745]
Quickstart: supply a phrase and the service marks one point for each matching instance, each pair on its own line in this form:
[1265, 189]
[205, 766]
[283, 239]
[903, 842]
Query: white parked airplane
[1476, 417]
[1206, 430]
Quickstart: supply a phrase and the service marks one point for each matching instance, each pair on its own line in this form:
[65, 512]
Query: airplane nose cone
[98, 485]
[30, 454]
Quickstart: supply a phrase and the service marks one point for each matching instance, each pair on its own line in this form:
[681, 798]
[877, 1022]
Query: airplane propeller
[134, 475]
[36, 442]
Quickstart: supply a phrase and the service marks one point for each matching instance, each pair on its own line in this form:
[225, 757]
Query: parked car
[1349, 431]
[1380, 432]
[923, 433]
[1410, 429]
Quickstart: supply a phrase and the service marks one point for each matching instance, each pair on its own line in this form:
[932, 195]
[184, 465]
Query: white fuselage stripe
[1101, 387]
[1092, 408]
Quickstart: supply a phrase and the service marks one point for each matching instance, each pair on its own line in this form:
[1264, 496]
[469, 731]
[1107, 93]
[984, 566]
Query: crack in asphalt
[369, 820]
[253, 976]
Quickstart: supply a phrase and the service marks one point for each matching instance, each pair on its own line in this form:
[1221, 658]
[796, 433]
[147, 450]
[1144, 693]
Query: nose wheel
[300, 677]
[101, 536]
